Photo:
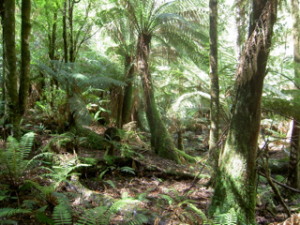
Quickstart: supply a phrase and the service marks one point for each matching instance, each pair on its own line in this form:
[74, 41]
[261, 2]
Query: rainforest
[149, 112]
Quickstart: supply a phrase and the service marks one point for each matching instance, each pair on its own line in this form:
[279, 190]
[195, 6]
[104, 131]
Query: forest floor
[166, 193]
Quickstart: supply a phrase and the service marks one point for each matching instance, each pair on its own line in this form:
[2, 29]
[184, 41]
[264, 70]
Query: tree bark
[65, 38]
[293, 179]
[71, 8]
[11, 78]
[161, 142]
[25, 56]
[236, 185]
[214, 86]
[52, 38]
[2, 10]
[127, 101]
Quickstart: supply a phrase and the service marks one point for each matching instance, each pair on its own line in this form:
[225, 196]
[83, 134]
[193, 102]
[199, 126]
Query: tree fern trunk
[161, 141]
[235, 189]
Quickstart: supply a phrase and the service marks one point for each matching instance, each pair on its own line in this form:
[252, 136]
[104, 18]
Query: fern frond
[61, 215]
[8, 212]
[127, 169]
[95, 216]
[226, 218]
[80, 112]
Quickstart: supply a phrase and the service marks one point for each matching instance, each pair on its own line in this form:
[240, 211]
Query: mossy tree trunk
[236, 184]
[214, 86]
[293, 178]
[161, 141]
[12, 112]
[2, 10]
[25, 56]
[16, 99]
[65, 35]
[128, 99]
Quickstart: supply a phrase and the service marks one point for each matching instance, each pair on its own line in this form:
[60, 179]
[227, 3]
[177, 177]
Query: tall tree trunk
[293, 178]
[214, 86]
[2, 10]
[161, 141]
[65, 38]
[11, 78]
[71, 47]
[236, 186]
[52, 38]
[25, 56]
[128, 98]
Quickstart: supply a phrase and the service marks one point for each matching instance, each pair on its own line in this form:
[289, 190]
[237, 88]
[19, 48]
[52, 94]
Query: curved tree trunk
[161, 141]
[293, 178]
[235, 190]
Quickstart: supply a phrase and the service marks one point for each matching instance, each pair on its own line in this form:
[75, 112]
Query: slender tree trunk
[71, 47]
[128, 99]
[2, 10]
[293, 178]
[161, 141]
[65, 38]
[214, 86]
[180, 145]
[11, 78]
[235, 190]
[25, 56]
[52, 38]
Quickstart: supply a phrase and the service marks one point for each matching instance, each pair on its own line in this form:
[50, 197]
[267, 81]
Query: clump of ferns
[60, 172]
[126, 207]
[47, 201]
[180, 207]
[58, 176]
[15, 161]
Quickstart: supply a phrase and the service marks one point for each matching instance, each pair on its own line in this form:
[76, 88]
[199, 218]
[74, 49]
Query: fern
[61, 215]
[15, 157]
[96, 216]
[127, 169]
[229, 218]
[9, 212]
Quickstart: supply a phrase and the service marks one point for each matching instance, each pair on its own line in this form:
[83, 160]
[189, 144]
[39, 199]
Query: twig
[281, 184]
[195, 180]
